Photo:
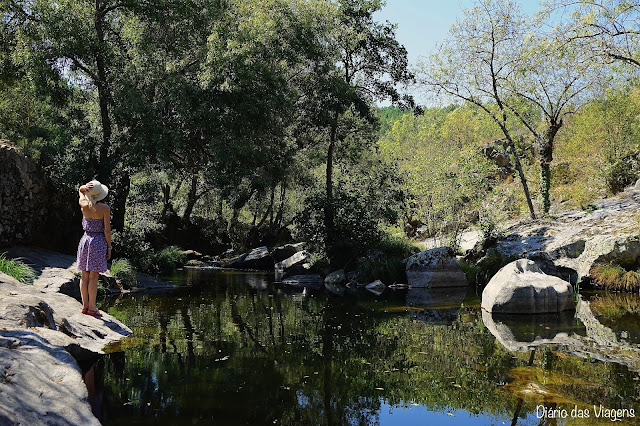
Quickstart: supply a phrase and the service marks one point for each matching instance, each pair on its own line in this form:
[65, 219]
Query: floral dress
[92, 250]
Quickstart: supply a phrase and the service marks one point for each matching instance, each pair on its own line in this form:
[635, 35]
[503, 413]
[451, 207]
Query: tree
[553, 81]
[609, 29]
[481, 54]
[370, 63]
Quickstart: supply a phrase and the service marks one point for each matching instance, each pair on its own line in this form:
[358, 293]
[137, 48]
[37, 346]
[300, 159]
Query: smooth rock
[286, 251]
[296, 259]
[435, 268]
[522, 288]
[571, 243]
[40, 382]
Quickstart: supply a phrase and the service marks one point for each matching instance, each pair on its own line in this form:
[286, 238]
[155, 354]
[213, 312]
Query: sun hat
[97, 193]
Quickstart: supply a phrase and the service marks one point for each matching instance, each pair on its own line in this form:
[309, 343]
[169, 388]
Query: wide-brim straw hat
[98, 192]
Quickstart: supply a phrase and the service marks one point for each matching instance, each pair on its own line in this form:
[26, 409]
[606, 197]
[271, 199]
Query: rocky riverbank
[43, 335]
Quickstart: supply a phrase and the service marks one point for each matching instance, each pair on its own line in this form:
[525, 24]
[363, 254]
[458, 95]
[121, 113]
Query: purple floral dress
[92, 250]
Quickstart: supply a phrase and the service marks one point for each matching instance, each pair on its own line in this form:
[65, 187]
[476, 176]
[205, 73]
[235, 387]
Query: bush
[615, 277]
[619, 174]
[481, 272]
[168, 259]
[17, 269]
[388, 266]
[123, 272]
[130, 243]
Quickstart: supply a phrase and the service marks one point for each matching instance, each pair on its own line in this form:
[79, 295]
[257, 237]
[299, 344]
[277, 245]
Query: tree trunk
[278, 219]
[545, 147]
[121, 193]
[104, 171]
[523, 179]
[329, 219]
[191, 198]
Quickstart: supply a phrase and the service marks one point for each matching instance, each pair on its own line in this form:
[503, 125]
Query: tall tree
[553, 81]
[473, 64]
[370, 65]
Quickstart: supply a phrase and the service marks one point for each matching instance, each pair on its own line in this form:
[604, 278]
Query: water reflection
[222, 350]
[521, 333]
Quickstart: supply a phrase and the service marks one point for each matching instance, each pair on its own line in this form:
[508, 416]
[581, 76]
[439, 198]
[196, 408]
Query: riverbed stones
[522, 288]
[336, 277]
[435, 268]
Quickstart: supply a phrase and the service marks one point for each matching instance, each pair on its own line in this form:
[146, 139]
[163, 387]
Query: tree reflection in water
[220, 350]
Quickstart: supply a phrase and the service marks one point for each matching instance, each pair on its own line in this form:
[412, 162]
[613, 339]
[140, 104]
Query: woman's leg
[84, 289]
[93, 290]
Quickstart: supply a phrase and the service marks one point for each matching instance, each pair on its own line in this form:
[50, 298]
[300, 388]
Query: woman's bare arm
[107, 230]
[83, 201]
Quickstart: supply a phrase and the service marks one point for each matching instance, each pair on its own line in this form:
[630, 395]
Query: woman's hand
[108, 253]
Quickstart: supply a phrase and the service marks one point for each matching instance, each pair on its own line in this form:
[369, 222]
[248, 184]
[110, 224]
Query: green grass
[17, 269]
[614, 277]
[124, 273]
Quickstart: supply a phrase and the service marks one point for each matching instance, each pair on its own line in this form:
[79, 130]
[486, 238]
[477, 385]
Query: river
[230, 348]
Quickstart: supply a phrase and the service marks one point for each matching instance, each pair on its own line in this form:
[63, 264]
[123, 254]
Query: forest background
[224, 124]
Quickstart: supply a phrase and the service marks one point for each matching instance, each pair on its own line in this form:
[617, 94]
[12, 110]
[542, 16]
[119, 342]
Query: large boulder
[286, 251]
[571, 243]
[258, 258]
[336, 277]
[435, 268]
[42, 335]
[522, 288]
[297, 259]
[40, 382]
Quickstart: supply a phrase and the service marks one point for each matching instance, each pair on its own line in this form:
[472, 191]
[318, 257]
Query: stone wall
[23, 197]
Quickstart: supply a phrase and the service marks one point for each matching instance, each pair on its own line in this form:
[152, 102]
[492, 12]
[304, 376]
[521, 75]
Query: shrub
[388, 267]
[124, 273]
[17, 269]
[481, 272]
[620, 173]
[615, 277]
[168, 259]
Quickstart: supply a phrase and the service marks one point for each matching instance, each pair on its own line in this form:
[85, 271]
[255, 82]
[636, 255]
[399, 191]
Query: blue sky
[424, 23]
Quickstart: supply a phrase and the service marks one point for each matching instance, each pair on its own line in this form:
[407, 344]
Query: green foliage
[124, 273]
[131, 244]
[387, 265]
[17, 269]
[620, 173]
[168, 259]
[615, 277]
[489, 229]
[481, 272]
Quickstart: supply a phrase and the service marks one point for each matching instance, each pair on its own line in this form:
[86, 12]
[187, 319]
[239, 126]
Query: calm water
[235, 348]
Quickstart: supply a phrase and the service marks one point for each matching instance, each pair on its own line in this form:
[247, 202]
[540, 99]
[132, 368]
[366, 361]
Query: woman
[95, 246]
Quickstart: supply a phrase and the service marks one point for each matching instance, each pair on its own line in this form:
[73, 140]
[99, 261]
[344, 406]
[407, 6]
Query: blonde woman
[95, 245]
